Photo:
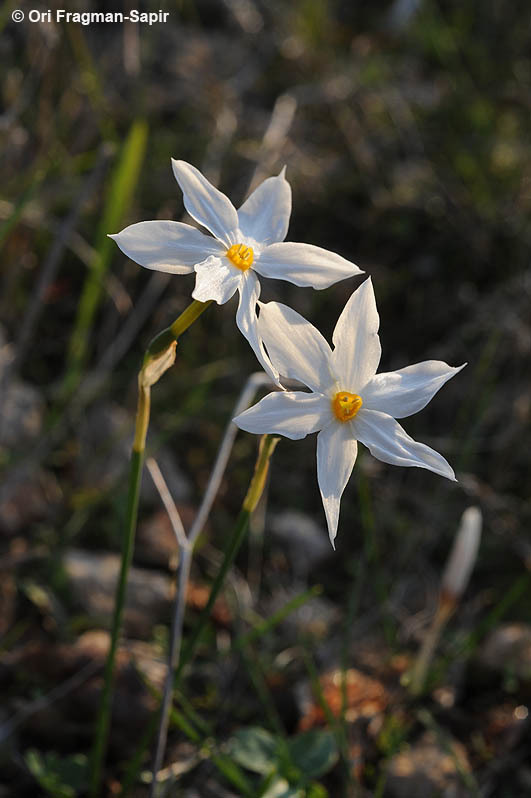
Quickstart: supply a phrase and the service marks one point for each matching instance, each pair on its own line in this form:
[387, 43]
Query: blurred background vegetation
[405, 128]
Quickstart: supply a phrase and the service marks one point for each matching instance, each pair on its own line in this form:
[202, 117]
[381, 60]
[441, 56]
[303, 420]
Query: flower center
[345, 405]
[240, 256]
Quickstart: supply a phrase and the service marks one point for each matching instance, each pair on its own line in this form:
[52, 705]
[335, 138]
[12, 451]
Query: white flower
[245, 242]
[348, 401]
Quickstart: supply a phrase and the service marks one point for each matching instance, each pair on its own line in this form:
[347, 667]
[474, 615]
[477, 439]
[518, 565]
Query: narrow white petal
[293, 414]
[304, 265]
[388, 441]
[264, 216]
[166, 246]
[247, 321]
[205, 203]
[296, 348]
[406, 391]
[336, 454]
[216, 279]
[357, 345]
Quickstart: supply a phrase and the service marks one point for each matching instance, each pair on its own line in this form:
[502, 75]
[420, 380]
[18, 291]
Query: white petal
[404, 392]
[336, 455]
[216, 279]
[293, 414]
[247, 321]
[205, 203]
[166, 246]
[357, 346]
[304, 265]
[388, 441]
[296, 348]
[264, 216]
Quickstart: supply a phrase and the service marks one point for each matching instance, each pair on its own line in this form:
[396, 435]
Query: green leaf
[316, 790]
[279, 788]
[255, 749]
[60, 778]
[313, 752]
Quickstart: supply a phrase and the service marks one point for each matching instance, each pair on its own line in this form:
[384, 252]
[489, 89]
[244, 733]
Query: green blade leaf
[123, 184]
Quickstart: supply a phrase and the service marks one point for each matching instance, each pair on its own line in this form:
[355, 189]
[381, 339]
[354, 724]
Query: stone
[507, 650]
[92, 577]
[429, 769]
[69, 718]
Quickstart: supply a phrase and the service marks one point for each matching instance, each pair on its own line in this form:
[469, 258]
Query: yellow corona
[345, 405]
[241, 256]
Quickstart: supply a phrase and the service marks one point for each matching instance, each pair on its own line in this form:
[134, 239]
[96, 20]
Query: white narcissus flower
[348, 401]
[245, 243]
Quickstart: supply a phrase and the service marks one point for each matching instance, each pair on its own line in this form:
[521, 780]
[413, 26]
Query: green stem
[135, 475]
[159, 356]
[172, 333]
[256, 486]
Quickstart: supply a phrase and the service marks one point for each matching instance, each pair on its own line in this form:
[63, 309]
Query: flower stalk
[266, 449]
[159, 357]
[252, 497]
